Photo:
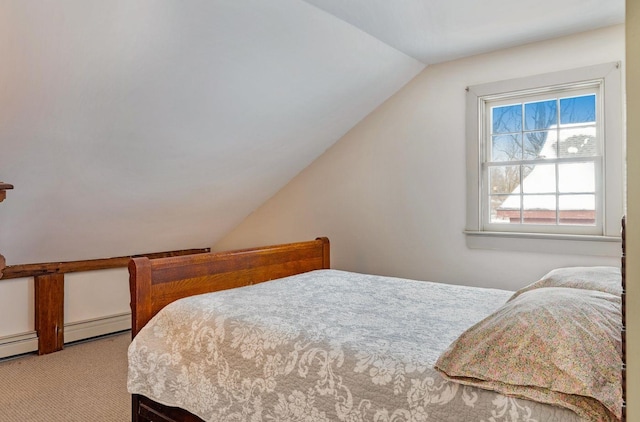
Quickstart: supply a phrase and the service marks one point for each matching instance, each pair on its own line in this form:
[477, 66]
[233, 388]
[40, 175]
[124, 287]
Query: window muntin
[543, 160]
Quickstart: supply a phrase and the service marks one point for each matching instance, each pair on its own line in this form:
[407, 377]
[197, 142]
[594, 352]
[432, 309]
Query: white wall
[96, 303]
[130, 127]
[88, 295]
[391, 193]
[16, 307]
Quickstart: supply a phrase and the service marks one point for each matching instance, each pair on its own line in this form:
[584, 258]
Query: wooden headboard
[156, 283]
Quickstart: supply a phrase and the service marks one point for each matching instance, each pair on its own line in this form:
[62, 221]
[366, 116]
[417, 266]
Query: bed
[315, 344]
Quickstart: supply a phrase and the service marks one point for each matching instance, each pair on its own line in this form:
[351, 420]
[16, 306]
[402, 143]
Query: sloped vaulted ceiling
[139, 126]
[434, 31]
[133, 126]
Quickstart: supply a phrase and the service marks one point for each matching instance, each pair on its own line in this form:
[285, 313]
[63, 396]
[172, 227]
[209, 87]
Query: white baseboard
[18, 344]
[96, 327]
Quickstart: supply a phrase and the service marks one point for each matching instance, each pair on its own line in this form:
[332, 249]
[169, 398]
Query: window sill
[545, 243]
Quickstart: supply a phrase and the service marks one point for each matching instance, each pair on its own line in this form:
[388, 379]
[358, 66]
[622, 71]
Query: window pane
[507, 119]
[578, 109]
[504, 179]
[541, 179]
[576, 178]
[505, 209]
[540, 115]
[578, 209]
[578, 142]
[506, 147]
[539, 209]
[540, 144]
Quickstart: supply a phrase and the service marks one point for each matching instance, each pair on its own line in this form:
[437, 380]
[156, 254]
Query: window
[541, 158]
[544, 156]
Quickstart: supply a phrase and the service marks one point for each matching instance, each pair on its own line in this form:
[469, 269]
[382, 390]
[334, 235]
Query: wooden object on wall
[4, 187]
[49, 290]
[49, 297]
[34, 270]
[49, 286]
[3, 194]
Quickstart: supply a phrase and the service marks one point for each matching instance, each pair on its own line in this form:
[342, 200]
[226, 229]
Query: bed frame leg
[134, 408]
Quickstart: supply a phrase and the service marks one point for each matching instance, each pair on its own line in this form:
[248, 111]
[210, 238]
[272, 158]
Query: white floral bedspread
[321, 346]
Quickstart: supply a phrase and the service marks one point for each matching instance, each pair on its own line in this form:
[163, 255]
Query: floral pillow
[603, 279]
[556, 345]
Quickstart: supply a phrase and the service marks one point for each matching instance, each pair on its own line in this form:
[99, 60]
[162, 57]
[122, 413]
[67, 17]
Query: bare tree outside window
[526, 135]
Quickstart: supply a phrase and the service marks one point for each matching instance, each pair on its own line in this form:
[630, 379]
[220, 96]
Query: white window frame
[605, 237]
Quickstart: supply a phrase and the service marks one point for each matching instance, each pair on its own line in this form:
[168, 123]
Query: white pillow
[602, 279]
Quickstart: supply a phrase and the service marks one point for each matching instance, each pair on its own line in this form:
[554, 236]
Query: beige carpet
[84, 382]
